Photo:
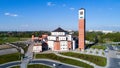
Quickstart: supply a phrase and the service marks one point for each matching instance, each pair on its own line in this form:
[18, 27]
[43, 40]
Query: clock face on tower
[81, 14]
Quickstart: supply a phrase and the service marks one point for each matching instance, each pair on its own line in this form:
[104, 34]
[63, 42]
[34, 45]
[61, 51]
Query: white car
[106, 50]
[54, 65]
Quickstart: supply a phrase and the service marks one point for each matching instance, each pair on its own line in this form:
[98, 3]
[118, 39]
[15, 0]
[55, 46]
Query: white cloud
[10, 14]
[72, 8]
[7, 14]
[50, 4]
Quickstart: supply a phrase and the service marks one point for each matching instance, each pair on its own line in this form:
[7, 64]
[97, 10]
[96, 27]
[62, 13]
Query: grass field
[99, 47]
[10, 39]
[2, 47]
[64, 60]
[9, 58]
[34, 66]
[101, 61]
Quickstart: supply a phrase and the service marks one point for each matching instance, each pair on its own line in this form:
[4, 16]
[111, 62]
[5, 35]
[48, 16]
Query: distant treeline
[101, 37]
[91, 36]
[23, 34]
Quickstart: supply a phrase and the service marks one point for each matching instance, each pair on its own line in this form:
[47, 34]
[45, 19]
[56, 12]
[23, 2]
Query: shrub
[103, 53]
[91, 52]
[96, 52]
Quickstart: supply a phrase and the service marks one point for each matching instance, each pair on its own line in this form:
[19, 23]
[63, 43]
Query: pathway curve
[46, 62]
[90, 63]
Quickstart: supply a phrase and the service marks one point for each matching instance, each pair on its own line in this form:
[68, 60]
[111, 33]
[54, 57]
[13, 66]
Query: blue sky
[27, 15]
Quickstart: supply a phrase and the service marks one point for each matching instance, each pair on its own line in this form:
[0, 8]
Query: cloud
[10, 14]
[50, 4]
[7, 14]
[72, 8]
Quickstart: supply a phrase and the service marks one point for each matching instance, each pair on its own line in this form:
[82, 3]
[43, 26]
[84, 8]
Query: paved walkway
[19, 48]
[113, 59]
[8, 51]
[28, 57]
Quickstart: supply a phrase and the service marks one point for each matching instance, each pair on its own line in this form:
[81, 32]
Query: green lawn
[101, 61]
[10, 39]
[99, 47]
[2, 47]
[62, 59]
[34, 66]
[9, 58]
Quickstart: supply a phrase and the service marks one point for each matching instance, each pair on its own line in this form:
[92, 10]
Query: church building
[60, 40]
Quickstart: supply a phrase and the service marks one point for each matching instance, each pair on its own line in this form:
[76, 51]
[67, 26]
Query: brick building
[60, 40]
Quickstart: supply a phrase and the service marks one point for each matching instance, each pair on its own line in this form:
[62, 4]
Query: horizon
[36, 15]
[52, 30]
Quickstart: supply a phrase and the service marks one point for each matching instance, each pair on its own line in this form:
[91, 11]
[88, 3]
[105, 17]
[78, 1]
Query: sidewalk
[58, 62]
[90, 63]
[28, 57]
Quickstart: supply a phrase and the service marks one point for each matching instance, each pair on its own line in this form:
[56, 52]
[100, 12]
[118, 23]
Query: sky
[35, 15]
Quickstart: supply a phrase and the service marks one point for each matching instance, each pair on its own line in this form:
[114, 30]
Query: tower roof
[81, 9]
[59, 30]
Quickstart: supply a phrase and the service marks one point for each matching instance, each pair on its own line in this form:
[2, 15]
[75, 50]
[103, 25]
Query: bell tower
[81, 29]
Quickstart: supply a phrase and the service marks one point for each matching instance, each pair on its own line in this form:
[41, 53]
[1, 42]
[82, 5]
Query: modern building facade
[81, 29]
[60, 40]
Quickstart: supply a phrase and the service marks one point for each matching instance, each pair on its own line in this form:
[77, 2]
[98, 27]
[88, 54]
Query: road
[28, 57]
[43, 61]
[8, 51]
[114, 59]
[9, 64]
[58, 64]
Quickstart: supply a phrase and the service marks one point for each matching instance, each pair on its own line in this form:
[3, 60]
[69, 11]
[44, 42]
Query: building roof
[81, 9]
[59, 30]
